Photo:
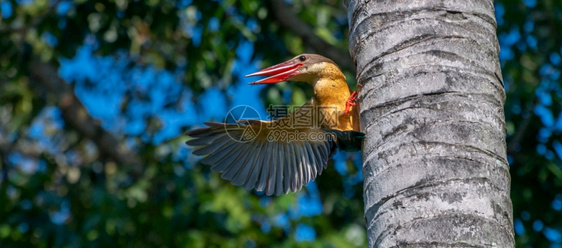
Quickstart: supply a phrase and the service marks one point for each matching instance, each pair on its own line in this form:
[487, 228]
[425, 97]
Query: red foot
[350, 102]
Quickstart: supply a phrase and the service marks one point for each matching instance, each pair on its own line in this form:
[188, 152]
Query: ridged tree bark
[431, 102]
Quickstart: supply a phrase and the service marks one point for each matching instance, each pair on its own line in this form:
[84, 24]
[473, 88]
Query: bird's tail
[349, 141]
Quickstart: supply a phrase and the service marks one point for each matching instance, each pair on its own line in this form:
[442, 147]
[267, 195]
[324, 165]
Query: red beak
[278, 73]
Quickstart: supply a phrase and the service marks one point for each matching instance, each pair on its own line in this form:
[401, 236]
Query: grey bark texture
[431, 102]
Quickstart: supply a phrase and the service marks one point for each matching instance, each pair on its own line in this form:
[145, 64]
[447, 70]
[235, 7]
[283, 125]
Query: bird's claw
[350, 102]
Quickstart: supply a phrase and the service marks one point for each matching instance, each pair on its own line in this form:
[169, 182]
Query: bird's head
[305, 68]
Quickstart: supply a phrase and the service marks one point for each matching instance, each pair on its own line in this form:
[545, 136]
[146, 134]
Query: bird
[283, 155]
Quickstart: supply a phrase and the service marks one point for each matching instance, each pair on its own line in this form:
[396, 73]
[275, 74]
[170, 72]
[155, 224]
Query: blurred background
[95, 97]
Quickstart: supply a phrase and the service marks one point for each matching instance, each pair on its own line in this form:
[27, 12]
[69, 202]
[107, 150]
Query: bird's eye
[302, 58]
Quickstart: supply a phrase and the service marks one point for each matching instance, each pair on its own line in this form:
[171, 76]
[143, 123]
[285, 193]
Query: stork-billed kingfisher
[283, 155]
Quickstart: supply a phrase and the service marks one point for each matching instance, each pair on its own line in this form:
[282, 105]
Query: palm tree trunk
[431, 101]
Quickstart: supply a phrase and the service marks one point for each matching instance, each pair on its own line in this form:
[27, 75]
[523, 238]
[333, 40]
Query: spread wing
[268, 158]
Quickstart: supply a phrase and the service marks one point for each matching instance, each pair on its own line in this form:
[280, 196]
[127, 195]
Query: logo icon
[242, 123]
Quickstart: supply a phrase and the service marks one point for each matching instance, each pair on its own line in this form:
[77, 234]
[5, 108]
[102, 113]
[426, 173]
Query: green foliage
[58, 189]
[531, 78]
